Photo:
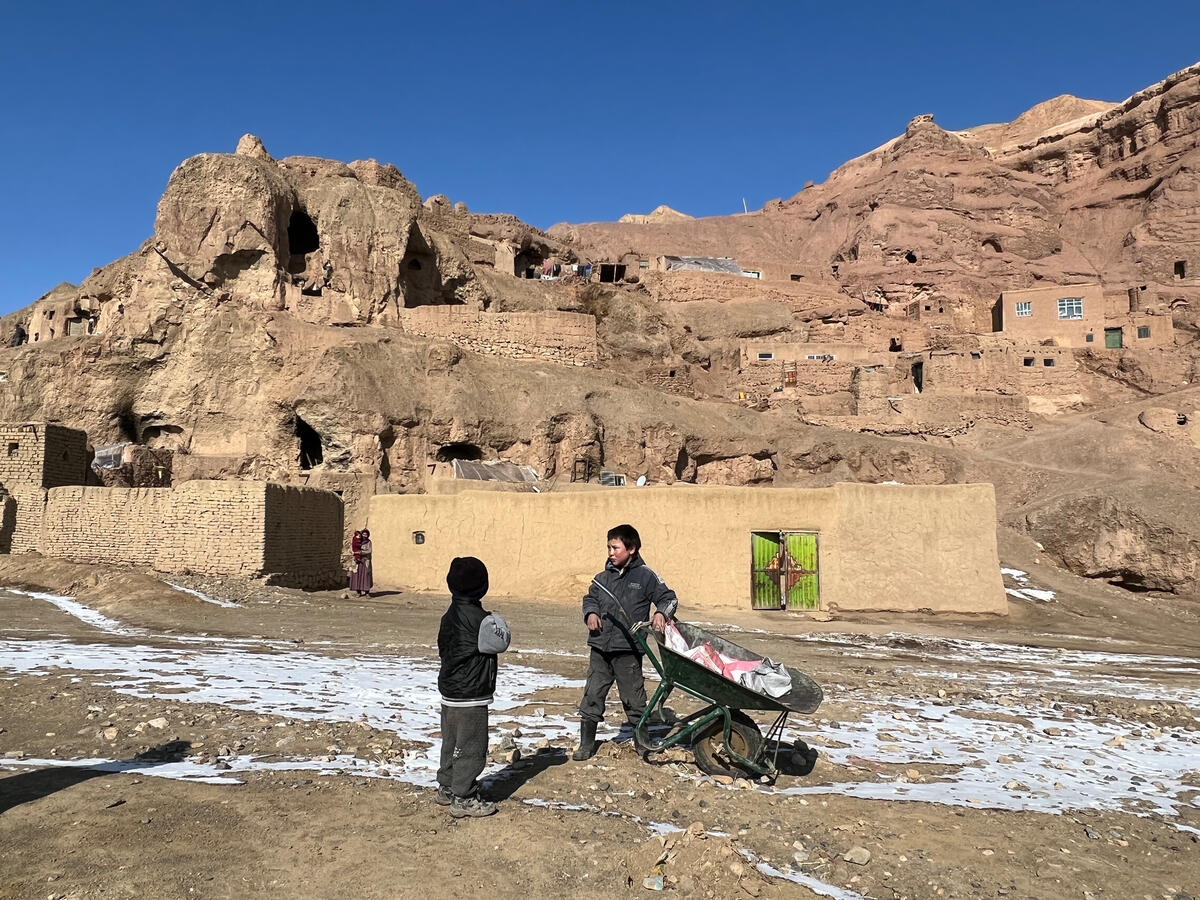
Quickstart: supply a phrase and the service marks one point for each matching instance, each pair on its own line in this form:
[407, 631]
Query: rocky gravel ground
[156, 742]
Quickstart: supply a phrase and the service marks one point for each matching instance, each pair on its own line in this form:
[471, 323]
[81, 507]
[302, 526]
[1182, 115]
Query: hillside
[311, 320]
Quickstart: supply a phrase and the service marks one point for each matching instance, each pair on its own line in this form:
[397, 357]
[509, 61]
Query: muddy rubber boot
[587, 741]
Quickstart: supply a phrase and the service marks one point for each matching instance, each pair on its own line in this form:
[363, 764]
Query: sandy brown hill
[1071, 191]
[661, 213]
[269, 308]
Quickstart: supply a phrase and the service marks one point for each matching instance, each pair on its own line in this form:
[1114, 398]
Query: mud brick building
[290, 535]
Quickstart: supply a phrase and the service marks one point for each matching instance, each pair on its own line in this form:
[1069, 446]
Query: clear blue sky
[551, 111]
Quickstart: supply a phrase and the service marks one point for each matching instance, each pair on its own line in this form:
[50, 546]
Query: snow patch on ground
[392, 693]
[85, 614]
[1001, 757]
[816, 885]
[1024, 590]
[227, 604]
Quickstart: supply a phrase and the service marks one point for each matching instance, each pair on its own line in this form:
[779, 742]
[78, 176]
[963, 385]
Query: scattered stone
[860, 856]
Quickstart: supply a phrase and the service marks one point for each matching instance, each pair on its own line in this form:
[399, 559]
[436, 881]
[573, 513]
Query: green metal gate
[783, 570]
[1114, 338]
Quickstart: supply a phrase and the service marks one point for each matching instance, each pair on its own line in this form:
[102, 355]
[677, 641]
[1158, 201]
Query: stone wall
[44, 455]
[201, 527]
[813, 378]
[561, 337]
[34, 456]
[303, 530]
[672, 381]
[65, 456]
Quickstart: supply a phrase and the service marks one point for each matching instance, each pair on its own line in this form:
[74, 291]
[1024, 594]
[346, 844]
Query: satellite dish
[641, 481]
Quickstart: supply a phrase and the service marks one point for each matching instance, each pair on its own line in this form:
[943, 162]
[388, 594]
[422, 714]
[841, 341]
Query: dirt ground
[250, 740]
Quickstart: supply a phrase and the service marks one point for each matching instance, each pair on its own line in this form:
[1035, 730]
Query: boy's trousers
[464, 748]
[605, 668]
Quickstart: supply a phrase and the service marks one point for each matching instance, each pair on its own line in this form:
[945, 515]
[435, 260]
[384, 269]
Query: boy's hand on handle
[593, 623]
[658, 621]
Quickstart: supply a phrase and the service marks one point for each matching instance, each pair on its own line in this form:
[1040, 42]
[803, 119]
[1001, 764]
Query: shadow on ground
[29, 787]
[503, 784]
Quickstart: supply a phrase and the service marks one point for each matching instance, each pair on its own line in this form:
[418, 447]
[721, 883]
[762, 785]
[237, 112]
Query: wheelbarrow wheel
[709, 745]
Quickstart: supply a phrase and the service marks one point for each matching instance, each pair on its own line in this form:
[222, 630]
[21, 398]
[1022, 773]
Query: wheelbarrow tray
[804, 697]
[723, 718]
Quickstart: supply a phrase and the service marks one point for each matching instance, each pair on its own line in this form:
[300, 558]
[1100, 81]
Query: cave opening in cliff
[302, 239]
[127, 422]
[420, 280]
[459, 450]
[310, 444]
[910, 256]
[1181, 268]
[993, 245]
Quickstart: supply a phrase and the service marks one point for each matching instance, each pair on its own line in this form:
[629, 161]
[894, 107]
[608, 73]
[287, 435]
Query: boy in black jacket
[632, 585]
[468, 641]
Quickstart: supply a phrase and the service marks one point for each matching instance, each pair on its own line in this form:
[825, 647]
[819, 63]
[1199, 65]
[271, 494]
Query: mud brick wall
[202, 527]
[678, 383]
[150, 467]
[813, 377]
[303, 537]
[65, 457]
[561, 337]
[40, 455]
[34, 456]
[29, 506]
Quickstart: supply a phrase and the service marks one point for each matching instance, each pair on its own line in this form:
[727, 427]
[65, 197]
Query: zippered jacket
[636, 589]
[467, 676]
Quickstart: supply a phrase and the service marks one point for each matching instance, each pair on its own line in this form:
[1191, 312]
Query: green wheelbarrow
[724, 740]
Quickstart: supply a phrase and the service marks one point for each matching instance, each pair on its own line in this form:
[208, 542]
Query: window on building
[1048, 363]
[643, 263]
[1024, 308]
[1181, 268]
[1027, 361]
[13, 447]
[1070, 308]
[766, 356]
[823, 357]
[1143, 331]
[1089, 337]
[975, 355]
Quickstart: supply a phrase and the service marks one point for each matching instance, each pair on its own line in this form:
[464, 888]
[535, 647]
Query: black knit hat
[467, 578]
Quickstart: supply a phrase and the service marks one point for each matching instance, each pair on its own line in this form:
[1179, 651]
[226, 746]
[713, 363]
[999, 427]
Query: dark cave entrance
[459, 450]
[302, 239]
[310, 444]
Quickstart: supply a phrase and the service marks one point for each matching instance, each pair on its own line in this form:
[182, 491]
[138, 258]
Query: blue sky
[551, 111]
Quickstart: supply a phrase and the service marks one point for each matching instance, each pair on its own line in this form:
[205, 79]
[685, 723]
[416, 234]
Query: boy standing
[633, 586]
[468, 641]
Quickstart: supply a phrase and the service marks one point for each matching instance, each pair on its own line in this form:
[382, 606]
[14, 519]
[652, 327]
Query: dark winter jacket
[467, 677]
[636, 588]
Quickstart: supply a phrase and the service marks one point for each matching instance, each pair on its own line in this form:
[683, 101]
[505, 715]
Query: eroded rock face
[254, 333]
[1141, 536]
[224, 218]
[1074, 190]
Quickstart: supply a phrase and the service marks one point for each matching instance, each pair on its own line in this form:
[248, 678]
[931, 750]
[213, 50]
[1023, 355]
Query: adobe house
[291, 535]
[61, 312]
[847, 547]
[1070, 315]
